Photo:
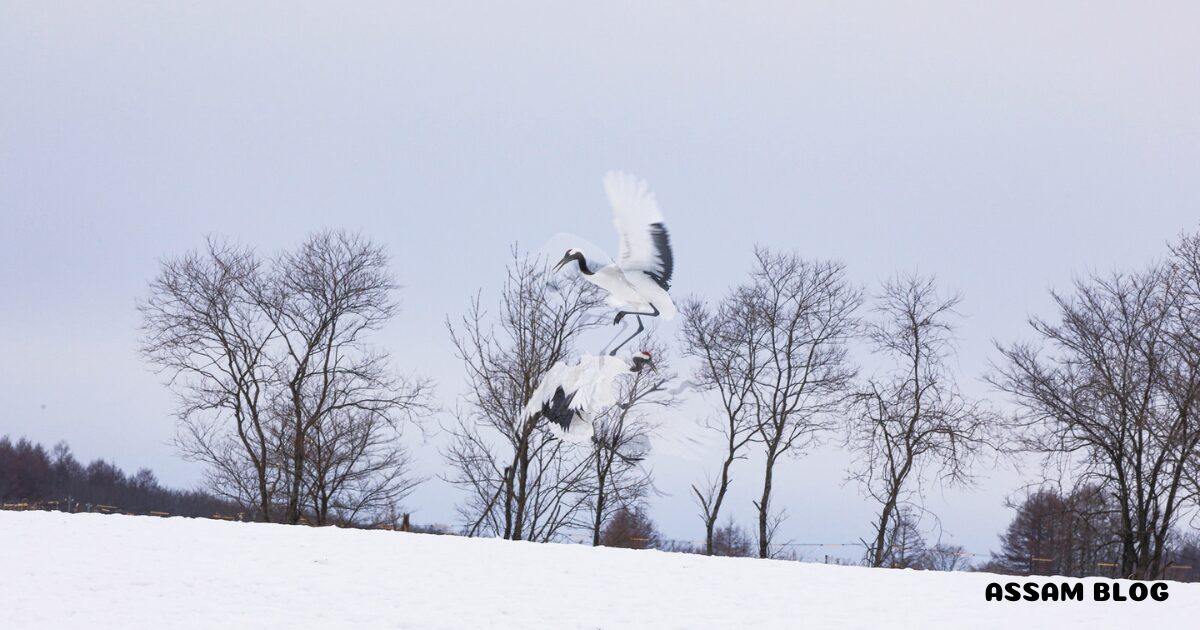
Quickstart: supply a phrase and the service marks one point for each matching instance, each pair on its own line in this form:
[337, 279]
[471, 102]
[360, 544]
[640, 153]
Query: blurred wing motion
[645, 245]
[554, 247]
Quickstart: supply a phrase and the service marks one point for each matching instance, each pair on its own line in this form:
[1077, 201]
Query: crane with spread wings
[638, 282]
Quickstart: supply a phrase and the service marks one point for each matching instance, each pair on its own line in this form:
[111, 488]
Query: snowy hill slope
[84, 570]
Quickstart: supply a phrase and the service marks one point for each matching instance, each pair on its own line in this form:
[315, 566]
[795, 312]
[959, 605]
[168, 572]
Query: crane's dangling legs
[654, 312]
[624, 327]
[637, 332]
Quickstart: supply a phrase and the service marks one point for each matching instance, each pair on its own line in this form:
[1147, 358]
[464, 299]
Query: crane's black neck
[583, 268]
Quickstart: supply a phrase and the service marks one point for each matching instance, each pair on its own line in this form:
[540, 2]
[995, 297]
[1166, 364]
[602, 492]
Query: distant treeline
[54, 478]
[34, 477]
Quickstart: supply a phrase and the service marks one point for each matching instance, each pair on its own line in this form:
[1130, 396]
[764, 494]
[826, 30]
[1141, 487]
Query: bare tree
[323, 301]
[357, 470]
[1185, 338]
[725, 342]
[913, 417]
[203, 330]
[807, 310]
[622, 441]
[262, 357]
[1112, 390]
[522, 483]
[774, 351]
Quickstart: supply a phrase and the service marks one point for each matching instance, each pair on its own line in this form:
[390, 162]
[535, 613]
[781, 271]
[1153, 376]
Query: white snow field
[95, 571]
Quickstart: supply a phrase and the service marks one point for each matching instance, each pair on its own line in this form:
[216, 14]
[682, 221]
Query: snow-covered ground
[94, 571]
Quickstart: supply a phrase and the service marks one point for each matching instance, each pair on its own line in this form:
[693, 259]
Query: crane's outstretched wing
[644, 243]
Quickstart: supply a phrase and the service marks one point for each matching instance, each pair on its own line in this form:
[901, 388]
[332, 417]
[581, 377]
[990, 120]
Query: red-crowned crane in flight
[638, 282]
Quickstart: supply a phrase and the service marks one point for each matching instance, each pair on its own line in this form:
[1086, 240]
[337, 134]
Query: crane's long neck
[583, 268]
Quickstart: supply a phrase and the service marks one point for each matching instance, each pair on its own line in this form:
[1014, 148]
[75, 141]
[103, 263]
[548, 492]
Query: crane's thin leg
[654, 312]
[641, 327]
[624, 327]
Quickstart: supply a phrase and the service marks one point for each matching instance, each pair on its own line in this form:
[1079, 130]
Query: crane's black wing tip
[666, 258]
[558, 409]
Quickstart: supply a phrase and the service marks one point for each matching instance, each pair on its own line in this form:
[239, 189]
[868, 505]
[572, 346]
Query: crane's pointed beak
[565, 259]
[640, 364]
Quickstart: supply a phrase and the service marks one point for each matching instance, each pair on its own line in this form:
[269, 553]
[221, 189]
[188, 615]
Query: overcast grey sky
[1003, 146]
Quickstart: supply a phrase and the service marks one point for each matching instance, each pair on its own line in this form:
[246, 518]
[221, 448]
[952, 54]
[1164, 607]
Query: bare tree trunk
[598, 517]
[713, 506]
[879, 549]
[509, 471]
[293, 505]
[522, 496]
[763, 505]
[881, 529]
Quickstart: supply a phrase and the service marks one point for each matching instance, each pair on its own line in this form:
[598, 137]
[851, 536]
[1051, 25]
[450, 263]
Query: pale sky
[1005, 147]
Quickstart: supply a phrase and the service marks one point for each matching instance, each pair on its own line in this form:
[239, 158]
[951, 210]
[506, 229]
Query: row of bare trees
[280, 392]
[1107, 392]
[1114, 393]
[296, 413]
[774, 354]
